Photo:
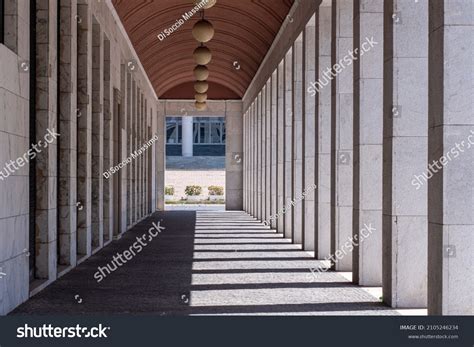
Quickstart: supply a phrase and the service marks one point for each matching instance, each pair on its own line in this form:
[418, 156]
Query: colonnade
[369, 99]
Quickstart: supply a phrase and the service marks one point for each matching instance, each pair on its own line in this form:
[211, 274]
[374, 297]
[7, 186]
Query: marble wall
[14, 143]
[74, 201]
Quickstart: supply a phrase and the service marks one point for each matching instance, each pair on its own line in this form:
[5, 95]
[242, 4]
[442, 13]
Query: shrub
[193, 190]
[216, 190]
[169, 190]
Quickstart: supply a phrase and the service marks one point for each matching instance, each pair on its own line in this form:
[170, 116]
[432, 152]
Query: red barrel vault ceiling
[245, 30]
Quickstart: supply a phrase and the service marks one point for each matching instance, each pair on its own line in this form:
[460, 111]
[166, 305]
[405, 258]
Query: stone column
[298, 139]
[234, 154]
[310, 138]
[251, 159]
[108, 145]
[245, 161]
[268, 150]
[97, 136]
[119, 155]
[255, 158]
[161, 155]
[274, 150]
[258, 147]
[281, 147]
[128, 147]
[368, 140]
[263, 151]
[405, 155]
[341, 74]
[84, 107]
[323, 128]
[139, 158]
[451, 147]
[288, 147]
[68, 128]
[134, 205]
[46, 121]
[147, 136]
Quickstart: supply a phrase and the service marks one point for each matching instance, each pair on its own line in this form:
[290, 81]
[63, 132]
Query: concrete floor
[205, 263]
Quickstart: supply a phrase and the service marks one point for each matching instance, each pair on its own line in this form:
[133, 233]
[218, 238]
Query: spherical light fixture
[201, 97]
[200, 106]
[201, 86]
[202, 55]
[208, 3]
[203, 31]
[201, 73]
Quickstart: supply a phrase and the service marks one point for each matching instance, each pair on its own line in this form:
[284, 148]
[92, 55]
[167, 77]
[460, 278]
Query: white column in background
[187, 139]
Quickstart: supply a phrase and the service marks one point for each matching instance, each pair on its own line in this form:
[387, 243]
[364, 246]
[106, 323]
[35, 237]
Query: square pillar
[67, 189]
[234, 153]
[97, 136]
[323, 132]
[310, 139]
[84, 107]
[298, 140]
[281, 147]
[46, 160]
[405, 146]
[274, 150]
[341, 73]
[268, 149]
[368, 142]
[128, 146]
[108, 110]
[259, 147]
[253, 172]
[288, 145]
[245, 161]
[451, 147]
[161, 155]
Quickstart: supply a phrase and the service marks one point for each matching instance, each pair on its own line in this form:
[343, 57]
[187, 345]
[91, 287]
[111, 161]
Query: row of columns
[364, 100]
[78, 210]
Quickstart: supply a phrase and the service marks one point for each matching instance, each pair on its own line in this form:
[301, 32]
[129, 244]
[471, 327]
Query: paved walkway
[205, 262]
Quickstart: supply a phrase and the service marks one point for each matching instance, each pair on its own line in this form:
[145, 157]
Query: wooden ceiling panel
[244, 31]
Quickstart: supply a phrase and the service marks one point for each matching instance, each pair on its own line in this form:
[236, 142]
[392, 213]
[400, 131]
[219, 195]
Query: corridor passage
[210, 262]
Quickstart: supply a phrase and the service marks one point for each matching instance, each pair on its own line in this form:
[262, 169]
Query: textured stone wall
[81, 93]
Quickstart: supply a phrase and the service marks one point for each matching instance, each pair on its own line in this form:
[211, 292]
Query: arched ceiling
[244, 31]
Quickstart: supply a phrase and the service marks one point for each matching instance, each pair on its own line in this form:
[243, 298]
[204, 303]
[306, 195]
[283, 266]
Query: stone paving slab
[185, 271]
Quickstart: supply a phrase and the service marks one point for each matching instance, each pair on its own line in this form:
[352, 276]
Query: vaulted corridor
[206, 263]
[348, 147]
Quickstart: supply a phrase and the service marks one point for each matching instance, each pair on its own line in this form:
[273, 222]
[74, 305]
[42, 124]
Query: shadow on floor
[205, 263]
